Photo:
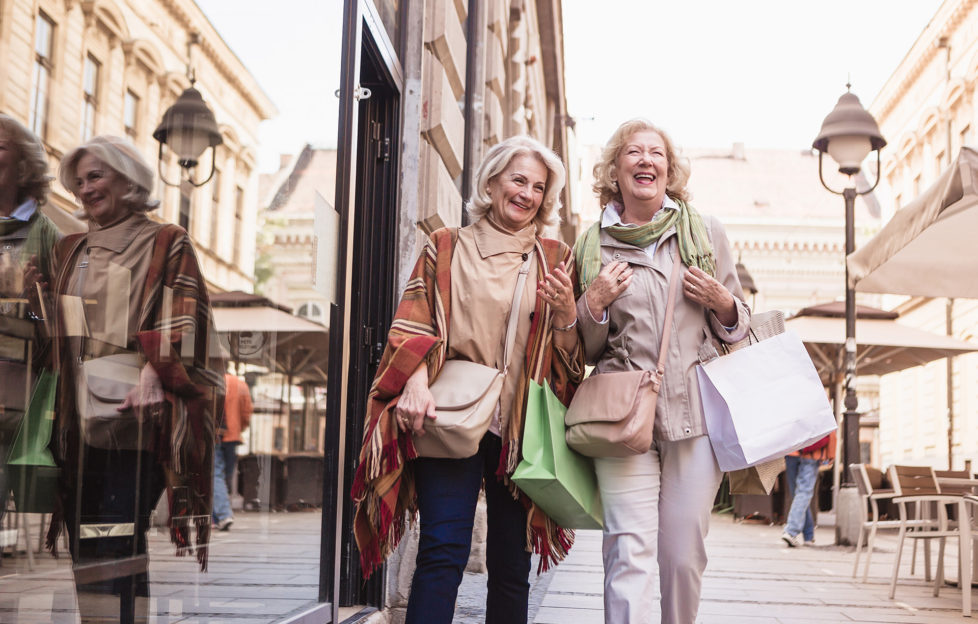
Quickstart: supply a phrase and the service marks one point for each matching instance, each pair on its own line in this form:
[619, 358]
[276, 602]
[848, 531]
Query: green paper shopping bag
[33, 475]
[558, 479]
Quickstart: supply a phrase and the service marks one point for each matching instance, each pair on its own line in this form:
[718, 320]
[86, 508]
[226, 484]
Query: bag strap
[660, 367]
[514, 312]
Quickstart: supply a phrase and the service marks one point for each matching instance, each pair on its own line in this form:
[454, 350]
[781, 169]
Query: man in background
[237, 417]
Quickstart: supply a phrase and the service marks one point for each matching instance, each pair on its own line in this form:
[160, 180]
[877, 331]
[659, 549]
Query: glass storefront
[181, 462]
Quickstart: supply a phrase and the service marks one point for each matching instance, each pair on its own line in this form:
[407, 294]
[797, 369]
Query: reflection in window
[215, 208]
[43, 65]
[311, 311]
[184, 219]
[90, 105]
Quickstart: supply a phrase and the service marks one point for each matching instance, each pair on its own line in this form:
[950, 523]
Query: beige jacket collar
[118, 236]
[490, 239]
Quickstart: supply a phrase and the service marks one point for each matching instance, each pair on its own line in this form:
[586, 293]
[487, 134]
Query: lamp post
[849, 133]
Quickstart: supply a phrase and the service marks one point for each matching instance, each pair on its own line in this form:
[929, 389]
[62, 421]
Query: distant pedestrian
[801, 470]
[656, 504]
[237, 418]
[456, 306]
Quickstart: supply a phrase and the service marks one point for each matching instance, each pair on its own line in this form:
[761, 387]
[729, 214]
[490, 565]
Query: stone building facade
[77, 68]
[927, 111]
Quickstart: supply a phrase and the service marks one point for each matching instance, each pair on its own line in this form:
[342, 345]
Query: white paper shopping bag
[763, 401]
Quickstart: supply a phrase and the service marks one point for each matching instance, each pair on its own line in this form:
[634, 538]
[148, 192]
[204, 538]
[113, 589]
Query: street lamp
[188, 127]
[849, 133]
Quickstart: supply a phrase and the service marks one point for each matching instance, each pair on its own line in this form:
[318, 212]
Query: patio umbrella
[259, 331]
[882, 344]
[928, 247]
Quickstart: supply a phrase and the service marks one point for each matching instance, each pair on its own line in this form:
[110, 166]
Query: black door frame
[363, 34]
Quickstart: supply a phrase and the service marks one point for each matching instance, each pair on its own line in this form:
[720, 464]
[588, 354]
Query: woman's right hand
[416, 403]
[612, 281]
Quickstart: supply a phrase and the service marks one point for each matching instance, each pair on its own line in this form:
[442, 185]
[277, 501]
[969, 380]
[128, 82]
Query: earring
[614, 183]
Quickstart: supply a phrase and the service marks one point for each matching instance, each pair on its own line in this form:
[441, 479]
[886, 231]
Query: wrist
[562, 326]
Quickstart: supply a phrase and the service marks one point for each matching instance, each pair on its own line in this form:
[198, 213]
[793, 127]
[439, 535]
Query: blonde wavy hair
[498, 158]
[32, 170]
[677, 172]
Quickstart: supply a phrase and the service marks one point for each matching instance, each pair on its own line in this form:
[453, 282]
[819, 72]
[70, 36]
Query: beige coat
[629, 340]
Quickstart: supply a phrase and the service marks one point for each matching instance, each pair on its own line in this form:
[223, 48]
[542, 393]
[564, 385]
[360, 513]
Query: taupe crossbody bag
[613, 414]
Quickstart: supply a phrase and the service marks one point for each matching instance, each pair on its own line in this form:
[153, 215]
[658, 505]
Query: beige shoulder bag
[613, 414]
[466, 395]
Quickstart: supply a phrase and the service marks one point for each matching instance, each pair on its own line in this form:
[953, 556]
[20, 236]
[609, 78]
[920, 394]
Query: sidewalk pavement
[753, 577]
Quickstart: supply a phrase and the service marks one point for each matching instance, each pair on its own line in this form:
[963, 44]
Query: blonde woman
[455, 307]
[657, 504]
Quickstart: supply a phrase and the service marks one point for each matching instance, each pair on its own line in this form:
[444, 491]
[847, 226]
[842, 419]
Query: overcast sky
[711, 72]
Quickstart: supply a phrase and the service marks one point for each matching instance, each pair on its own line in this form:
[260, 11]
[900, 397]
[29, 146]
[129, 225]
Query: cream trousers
[656, 505]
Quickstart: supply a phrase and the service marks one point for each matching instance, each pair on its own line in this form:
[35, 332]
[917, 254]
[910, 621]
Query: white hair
[498, 158]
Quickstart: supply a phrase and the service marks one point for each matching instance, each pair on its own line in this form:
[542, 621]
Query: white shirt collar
[612, 213]
[25, 211]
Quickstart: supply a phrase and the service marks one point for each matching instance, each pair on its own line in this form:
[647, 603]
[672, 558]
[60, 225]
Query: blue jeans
[224, 462]
[801, 473]
[448, 490]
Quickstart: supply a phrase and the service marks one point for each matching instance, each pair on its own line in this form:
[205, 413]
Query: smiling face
[101, 190]
[517, 192]
[642, 170]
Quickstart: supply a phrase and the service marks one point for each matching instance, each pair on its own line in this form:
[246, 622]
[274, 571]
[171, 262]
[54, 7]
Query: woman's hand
[147, 395]
[557, 289]
[612, 281]
[416, 403]
[701, 288]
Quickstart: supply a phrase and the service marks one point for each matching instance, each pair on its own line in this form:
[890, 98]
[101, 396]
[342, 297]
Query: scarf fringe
[550, 541]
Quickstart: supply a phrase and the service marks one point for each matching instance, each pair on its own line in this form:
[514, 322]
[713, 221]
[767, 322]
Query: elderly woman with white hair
[136, 401]
[456, 306]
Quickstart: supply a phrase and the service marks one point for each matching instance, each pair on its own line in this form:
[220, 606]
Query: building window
[90, 105]
[184, 217]
[312, 311]
[130, 113]
[238, 223]
[215, 208]
[43, 44]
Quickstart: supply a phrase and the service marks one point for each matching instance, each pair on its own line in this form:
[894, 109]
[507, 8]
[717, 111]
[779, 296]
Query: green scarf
[694, 243]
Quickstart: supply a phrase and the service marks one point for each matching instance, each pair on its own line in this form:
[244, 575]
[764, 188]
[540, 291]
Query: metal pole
[850, 448]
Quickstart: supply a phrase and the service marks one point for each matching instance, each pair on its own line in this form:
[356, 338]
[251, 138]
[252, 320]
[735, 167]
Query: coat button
[525, 256]
[531, 316]
[687, 431]
[617, 255]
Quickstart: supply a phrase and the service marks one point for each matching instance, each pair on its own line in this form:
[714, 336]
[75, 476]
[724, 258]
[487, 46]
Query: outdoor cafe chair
[868, 527]
[967, 513]
[918, 486]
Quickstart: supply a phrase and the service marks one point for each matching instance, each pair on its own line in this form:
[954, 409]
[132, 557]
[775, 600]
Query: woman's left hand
[147, 395]
[701, 288]
[557, 289]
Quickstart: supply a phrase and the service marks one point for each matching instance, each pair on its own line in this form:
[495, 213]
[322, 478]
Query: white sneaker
[810, 542]
[791, 540]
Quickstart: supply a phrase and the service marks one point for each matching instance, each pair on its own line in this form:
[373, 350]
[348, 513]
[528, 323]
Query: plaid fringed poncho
[383, 488]
[173, 335]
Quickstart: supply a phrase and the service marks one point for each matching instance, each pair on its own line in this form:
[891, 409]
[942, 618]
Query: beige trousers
[656, 510]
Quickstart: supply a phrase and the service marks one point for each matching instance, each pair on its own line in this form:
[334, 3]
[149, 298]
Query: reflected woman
[136, 399]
